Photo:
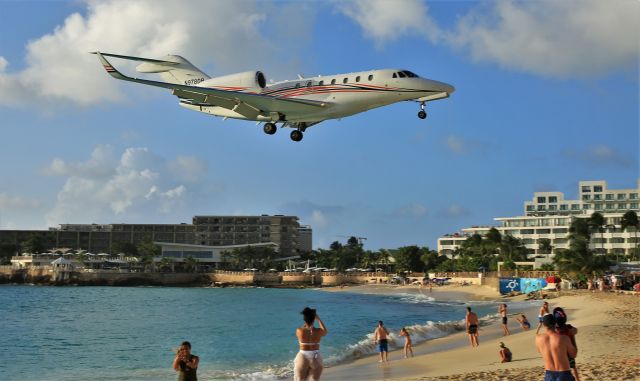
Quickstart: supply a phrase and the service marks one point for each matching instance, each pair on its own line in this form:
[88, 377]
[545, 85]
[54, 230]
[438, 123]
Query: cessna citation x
[297, 104]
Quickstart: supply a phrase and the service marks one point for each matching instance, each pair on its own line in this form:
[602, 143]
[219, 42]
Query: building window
[530, 208]
[621, 196]
[609, 196]
[633, 205]
[586, 188]
[597, 197]
[553, 207]
[553, 199]
[575, 206]
[622, 206]
[370, 77]
[597, 188]
[598, 207]
[358, 79]
[610, 205]
[564, 207]
[586, 197]
[541, 207]
[542, 200]
[633, 196]
[526, 231]
[585, 206]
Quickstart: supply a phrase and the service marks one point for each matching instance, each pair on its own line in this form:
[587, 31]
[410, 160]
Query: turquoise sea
[129, 333]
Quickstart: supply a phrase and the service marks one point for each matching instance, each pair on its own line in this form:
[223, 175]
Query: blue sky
[546, 96]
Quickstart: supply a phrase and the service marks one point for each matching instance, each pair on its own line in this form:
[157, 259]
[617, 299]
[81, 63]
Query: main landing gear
[270, 128]
[422, 114]
[296, 135]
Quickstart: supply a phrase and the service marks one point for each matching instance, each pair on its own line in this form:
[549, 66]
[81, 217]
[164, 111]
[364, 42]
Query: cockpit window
[395, 75]
[410, 74]
[402, 75]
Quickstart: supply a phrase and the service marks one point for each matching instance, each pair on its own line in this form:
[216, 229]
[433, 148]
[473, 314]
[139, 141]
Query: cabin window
[309, 84]
[321, 83]
[370, 77]
[401, 74]
[345, 80]
[395, 75]
[358, 79]
[333, 81]
[297, 85]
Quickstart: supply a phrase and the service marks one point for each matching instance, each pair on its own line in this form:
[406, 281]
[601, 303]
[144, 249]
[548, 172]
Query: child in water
[407, 342]
[524, 323]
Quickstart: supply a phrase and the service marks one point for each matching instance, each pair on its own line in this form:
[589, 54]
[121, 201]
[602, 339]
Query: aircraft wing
[249, 105]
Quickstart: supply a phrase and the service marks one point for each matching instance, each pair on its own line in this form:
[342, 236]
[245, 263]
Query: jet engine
[253, 81]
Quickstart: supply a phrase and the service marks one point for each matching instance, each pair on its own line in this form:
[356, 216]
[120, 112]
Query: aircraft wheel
[270, 128]
[422, 114]
[296, 135]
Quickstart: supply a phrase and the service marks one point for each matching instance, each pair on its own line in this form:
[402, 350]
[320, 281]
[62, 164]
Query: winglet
[108, 67]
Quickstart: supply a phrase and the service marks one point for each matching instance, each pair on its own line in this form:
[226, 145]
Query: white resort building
[549, 215]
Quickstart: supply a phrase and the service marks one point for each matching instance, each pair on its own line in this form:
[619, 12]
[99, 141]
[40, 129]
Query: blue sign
[523, 285]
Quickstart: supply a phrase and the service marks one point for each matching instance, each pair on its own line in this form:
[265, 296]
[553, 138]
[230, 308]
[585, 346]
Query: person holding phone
[185, 363]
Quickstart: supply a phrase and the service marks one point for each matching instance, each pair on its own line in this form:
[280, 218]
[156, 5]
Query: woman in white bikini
[308, 363]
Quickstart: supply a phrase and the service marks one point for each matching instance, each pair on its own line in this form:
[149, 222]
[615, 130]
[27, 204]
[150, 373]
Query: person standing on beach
[307, 365]
[471, 322]
[407, 342]
[567, 330]
[505, 353]
[503, 312]
[381, 336]
[185, 363]
[555, 350]
[544, 310]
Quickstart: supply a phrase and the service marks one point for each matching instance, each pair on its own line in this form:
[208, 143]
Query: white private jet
[298, 104]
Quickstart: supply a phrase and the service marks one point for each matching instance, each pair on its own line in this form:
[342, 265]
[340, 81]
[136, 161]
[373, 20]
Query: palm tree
[630, 219]
[544, 246]
[596, 222]
[190, 263]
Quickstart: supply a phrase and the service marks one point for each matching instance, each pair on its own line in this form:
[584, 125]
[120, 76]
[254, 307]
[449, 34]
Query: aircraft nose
[439, 86]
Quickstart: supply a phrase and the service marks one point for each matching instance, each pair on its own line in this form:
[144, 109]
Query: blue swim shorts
[564, 375]
[383, 346]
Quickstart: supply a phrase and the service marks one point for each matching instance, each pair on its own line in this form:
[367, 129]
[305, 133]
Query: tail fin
[174, 69]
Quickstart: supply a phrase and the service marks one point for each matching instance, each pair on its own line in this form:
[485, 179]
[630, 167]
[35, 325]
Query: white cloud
[553, 38]
[188, 168]
[3, 64]
[385, 21]
[138, 183]
[455, 144]
[413, 209]
[319, 219]
[17, 202]
[453, 211]
[601, 155]
[60, 70]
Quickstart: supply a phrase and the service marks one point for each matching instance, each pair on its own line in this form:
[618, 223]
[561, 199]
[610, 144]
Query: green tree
[596, 222]
[494, 236]
[146, 247]
[34, 244]
[408, 259]
[166, 264]
[544, 246]
[630, 220]
[190, 264]
[7, 250]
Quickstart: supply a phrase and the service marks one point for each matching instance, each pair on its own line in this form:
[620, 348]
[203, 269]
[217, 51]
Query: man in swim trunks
[503, 312]
[544, 310]
[381, 336]
[555, 350]
[471, 322]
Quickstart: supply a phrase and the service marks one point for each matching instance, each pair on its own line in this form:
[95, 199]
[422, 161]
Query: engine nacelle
[253, 81]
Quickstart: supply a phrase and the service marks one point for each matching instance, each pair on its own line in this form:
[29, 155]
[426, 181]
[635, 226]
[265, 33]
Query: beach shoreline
[607, 339]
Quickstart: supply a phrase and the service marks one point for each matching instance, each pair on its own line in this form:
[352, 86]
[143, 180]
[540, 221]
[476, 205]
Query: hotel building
[282, 232]
[549, 215]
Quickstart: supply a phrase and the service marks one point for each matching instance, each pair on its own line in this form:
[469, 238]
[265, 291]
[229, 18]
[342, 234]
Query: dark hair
[380, 322]
[549, 321]
[309, 315]
[560, 316]
[188, 344]
[469, 309]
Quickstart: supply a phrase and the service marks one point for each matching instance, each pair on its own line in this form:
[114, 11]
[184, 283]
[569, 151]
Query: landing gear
[296, 135]
[270, 128]
[422, 114]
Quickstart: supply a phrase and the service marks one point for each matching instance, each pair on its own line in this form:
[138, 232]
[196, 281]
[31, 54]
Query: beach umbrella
[553, 279]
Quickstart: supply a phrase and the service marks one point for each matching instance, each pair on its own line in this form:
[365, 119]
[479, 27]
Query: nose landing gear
[422, 114]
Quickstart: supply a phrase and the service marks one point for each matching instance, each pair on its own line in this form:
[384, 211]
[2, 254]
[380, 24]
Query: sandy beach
[608, 337]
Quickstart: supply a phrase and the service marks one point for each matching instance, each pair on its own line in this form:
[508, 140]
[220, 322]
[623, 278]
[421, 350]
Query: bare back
[555, 350]
[472, 318]
[381, 333]
[309, 338]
